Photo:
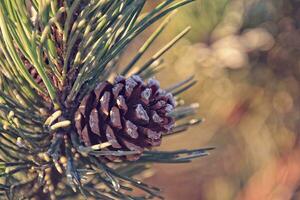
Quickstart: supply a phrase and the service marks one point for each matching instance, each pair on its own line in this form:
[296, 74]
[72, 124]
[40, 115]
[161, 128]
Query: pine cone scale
[117, 89]
[111, 137]
[104, 103]
[131, 130]
[122, 104]
[115, 118]
[94, 121]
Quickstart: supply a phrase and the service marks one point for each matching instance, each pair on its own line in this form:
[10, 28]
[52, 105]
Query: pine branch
[65, 130]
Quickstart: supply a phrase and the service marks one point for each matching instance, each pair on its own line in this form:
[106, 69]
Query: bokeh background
[245, 55]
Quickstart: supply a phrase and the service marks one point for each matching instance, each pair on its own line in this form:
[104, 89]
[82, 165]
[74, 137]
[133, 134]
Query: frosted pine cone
[129, 114]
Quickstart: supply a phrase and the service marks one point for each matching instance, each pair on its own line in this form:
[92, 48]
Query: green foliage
[72, 45]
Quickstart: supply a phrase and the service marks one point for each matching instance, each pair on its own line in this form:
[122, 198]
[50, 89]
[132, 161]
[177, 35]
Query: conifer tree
[66, 130]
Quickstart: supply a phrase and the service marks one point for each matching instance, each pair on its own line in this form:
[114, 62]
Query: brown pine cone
[130, 114]
[57, 37]
[32, 71]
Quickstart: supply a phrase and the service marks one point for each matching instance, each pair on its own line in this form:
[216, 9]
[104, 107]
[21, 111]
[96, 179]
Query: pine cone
[129, 114]
[32, 71]
[57, 38]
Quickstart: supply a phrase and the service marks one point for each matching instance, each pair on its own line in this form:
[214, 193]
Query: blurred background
[245, 55]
